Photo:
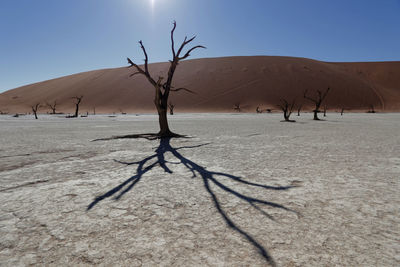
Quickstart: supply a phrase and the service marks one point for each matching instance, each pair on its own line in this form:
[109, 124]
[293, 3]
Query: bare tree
[171, 108]
[52, 106]
[94, 110]
[162, 89]
[35, 109]
[287, 109]
[237, 107]
[299, 109]
[371, 109]
[317, 101]
[77, 102]
[341, 112]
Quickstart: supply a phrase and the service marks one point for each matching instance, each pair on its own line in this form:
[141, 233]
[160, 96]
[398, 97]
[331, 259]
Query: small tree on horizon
[287, 109]
[35, 109]
[371, 109]
[237, 107]
[52, 106]
[171, 108]
[299, 109]
[317, 101]
[162, 89]
[77, 103]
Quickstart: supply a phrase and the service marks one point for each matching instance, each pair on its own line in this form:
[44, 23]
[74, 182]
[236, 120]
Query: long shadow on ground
[207, 178]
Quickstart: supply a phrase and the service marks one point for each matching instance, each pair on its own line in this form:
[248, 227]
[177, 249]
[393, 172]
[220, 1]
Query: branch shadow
[208, 177]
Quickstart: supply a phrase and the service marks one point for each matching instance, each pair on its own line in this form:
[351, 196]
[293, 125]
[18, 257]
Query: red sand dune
[220, 83]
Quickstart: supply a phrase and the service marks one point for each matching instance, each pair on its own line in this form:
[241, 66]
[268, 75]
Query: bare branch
[184, 89]
[133, 74]
[172, 39]
[160, 78]
[146, 58]
[190, 50]
[130, 62]
[78, 98]
[325, 94]
[184, 43]
[309, 98]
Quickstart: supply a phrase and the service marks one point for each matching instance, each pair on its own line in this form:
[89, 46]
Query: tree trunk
[316, 115]
[76, 110]
[35, 115]
[162, 120]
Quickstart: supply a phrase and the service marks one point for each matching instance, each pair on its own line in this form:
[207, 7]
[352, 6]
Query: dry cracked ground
[243, 190]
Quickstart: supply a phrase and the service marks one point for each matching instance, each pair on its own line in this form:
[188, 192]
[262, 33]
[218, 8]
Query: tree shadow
[208, 177]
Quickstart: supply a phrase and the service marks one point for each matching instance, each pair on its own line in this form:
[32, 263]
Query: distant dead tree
[162, 89]
[94, 110]
[299, 109]
[341, 111]
[317, 101]
[287, 109]
[371, 109]
[237, 107]
[77, 102]
[171, 108]
[35, 109]
[52, 106]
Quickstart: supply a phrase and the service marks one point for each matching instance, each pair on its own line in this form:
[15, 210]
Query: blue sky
[44, 39]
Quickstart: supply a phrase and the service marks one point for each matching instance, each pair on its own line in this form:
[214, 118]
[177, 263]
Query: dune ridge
[220, 84]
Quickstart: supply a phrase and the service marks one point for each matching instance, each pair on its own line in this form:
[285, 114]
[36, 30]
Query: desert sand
[309, 193]
[220, 83]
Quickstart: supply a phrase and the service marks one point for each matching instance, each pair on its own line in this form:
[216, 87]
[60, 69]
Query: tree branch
[190, 50]
[172, 39]
[184, 89]
[184, 43]
[146, 58]
[309, 98]
[133, 74]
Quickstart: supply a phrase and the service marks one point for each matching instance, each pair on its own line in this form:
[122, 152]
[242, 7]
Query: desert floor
[244, 190]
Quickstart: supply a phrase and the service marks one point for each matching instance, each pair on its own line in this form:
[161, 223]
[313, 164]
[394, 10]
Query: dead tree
[237, 107]
[341, 112]
[78, 101]
[171, 108]
[371, 109]
[317, 101]
[287, 109]
[52, 106]
[162, 89]
[299, 109]
[35, 109]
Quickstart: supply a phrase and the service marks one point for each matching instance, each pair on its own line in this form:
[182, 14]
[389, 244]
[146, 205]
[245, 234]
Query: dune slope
[220, 83]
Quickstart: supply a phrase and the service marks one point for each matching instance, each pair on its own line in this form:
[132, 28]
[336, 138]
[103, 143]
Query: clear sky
[44, 39]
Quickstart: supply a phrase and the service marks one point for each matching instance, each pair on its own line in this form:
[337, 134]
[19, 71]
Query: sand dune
[220, 83]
